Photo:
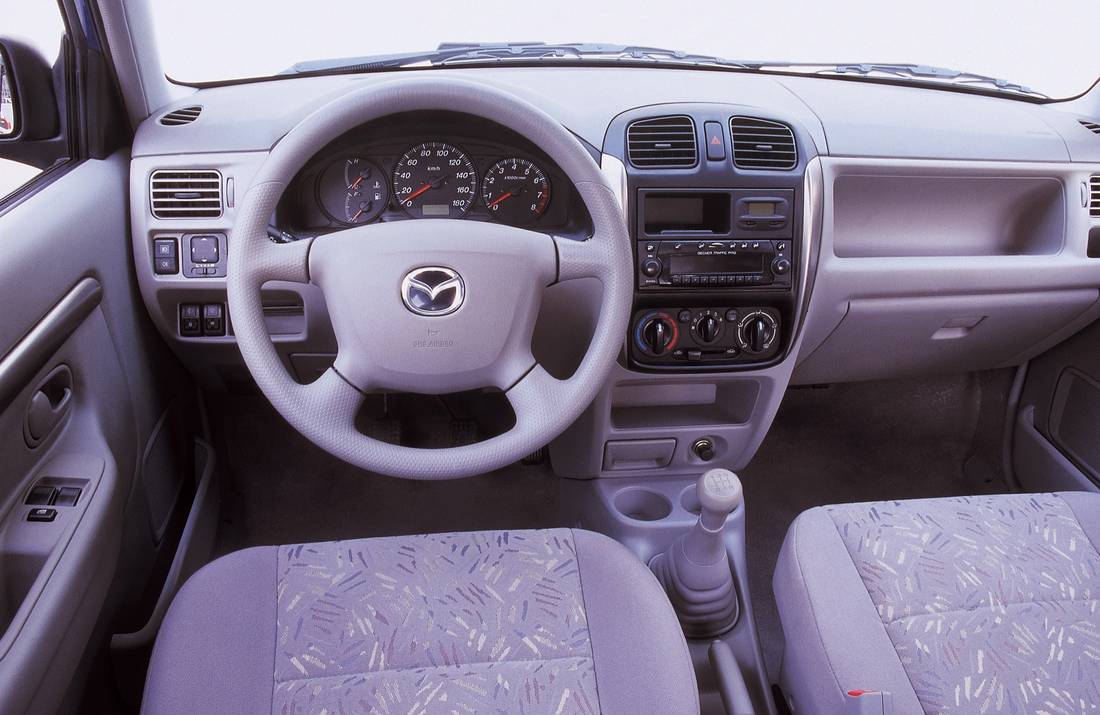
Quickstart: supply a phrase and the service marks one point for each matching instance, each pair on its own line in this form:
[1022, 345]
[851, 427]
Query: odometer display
[435, 180]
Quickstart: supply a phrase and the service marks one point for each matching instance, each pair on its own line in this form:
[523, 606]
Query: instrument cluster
[429, 176]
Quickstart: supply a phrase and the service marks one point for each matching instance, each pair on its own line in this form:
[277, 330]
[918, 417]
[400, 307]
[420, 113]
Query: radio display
[724, 263]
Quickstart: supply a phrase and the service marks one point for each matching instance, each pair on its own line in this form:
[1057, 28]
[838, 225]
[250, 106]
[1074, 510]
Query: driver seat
[554, 621]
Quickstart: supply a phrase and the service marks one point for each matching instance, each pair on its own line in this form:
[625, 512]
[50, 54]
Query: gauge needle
[357, 215]
[497, 200]
[355, 184]
[419, 191]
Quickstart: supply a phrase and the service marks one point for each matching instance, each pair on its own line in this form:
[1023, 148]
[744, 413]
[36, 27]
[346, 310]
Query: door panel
[83, 382]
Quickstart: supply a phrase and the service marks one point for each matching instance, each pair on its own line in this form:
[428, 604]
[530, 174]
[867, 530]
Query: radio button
[744, 245]
[781, 266]
[651, 268]
[780, 247]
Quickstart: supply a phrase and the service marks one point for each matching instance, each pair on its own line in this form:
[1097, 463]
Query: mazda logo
[433, 291]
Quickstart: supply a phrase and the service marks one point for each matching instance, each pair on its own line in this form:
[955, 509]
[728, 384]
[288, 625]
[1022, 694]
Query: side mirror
[7, 100]
[30, 129]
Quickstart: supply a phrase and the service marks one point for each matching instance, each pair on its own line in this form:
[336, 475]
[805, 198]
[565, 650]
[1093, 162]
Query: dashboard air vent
[762, 144]
[184, 115]
[1091, 126]
[662, 142]
[1094, 196]
[186, 194]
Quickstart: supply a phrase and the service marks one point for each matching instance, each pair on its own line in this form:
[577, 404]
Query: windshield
[1041, 48]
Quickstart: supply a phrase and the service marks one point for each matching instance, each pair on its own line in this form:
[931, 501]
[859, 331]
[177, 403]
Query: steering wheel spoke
[532, 398]
[284, 261]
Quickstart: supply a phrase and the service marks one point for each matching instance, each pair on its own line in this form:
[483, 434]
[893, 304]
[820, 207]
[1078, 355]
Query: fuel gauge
[352, 190]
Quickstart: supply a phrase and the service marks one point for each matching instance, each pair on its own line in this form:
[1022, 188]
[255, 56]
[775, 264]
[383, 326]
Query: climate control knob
[657, 334]
[708, 327]
[757, 331]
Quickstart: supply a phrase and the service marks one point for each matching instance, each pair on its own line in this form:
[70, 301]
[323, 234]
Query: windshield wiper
[483, 53]
[925, 73]
[452, 53]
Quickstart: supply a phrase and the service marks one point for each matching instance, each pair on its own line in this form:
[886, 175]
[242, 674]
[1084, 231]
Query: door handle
[49, 406]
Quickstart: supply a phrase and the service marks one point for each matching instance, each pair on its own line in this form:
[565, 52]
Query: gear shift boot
[695, 570]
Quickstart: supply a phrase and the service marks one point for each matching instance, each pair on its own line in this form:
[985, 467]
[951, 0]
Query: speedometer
[435, 180]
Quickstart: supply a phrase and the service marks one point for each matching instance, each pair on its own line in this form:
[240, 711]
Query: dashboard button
[716, 141]
[164, 248]
[166, 266]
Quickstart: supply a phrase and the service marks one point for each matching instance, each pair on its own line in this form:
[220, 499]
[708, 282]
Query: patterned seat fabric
[503, 622]
[972, 605]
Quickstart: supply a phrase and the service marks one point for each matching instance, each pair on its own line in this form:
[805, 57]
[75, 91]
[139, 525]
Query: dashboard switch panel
[190, 320]
[718, 336]
[166, 257]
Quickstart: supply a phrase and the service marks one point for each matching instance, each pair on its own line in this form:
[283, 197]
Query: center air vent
[663, 142]
[186, 194]
[761, 144]
[1091, 126]
[1094, 196]
[184, 115]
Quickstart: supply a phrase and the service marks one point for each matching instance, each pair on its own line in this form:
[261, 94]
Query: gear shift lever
[695, 570]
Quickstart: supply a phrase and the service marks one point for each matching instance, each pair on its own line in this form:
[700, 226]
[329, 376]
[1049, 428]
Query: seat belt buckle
[868, 702]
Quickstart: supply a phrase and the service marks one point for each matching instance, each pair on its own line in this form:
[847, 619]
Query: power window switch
[190, 320]
[67, 496]
[42, 514]
[213, 319]
[40, 494]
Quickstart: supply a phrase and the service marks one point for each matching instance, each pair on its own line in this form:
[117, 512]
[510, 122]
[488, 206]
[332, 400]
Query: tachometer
[435, 180]
[352, 190]
[515, 191]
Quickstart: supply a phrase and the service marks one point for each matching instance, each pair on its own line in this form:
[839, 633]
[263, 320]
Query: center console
[715, 208]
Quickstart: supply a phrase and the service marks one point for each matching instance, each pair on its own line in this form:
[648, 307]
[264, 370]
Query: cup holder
[642, 504]
[689, 500]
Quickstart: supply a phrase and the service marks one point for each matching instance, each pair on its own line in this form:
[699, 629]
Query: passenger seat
[972, 604]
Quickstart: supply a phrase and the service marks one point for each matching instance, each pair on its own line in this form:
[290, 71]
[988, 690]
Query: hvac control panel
[708, 335]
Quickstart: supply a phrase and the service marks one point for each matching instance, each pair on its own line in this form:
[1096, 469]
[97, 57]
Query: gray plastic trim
[922, 289]
[193, 551]
[28, 356]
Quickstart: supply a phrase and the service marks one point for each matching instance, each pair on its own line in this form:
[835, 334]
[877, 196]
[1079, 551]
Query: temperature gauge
[352, 191]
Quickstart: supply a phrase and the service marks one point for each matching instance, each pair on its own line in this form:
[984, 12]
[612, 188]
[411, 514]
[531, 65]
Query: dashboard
[911, 232]
[430, 166]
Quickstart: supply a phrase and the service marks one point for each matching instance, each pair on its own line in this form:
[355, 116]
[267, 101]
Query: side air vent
[761, 144]
[176, 117]
[663, 142]
[1094, 196]
[1091, 126]
[186, 194]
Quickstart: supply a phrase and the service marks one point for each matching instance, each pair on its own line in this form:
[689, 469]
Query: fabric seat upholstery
[983, 604]
[554, 621]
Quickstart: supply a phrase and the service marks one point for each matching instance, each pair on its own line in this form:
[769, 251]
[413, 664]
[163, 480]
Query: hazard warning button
[716, 141]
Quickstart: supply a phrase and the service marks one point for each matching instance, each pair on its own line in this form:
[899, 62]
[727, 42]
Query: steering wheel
[430, 306]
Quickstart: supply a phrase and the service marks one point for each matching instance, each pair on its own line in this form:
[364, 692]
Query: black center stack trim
[717, 245]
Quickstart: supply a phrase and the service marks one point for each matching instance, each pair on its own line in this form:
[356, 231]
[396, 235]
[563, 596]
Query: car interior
[514, 377]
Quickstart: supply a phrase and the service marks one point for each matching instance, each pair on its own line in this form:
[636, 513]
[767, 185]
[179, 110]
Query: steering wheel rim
[324, 411]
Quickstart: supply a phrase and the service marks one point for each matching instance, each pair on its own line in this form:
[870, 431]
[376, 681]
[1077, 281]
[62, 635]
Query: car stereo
[714, 238]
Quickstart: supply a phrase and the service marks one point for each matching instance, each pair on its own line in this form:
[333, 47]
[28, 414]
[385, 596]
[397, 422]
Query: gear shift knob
[719, 493]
